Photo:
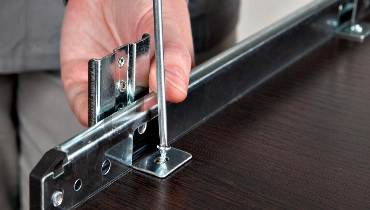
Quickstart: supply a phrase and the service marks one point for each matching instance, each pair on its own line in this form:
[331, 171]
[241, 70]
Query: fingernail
[177, 79]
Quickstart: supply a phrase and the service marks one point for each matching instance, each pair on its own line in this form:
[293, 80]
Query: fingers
[178, 51]
[78, 100]
[177, 64]
[76, 86]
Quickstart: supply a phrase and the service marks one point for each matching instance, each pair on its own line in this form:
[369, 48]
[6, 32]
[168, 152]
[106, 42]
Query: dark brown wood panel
[299, 141]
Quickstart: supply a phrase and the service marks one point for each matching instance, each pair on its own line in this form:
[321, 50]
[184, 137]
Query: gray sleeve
[30, 35]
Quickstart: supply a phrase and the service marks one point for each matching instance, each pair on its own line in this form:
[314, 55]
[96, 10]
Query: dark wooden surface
[299, 141]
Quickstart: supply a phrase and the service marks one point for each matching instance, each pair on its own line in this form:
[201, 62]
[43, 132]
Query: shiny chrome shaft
[161, 89]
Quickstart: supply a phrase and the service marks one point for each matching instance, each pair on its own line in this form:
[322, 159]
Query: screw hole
[78, 185]
[142, 128]
[159, 161]
[119, 106]
[105, 167]
[121, 62]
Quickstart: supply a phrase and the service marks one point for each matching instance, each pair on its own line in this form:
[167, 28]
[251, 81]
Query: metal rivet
[121, 62]
[57, 198]
[142, 128]
[121, 86]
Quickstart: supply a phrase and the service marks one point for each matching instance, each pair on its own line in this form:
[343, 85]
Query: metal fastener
[57, 198]
[357, 28]
[121, 86]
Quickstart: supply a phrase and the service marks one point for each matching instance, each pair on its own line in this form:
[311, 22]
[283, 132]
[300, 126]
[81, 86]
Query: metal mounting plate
[175, 159]
[355, 32]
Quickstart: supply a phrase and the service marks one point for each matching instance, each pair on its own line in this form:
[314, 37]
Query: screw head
[57, 198]
[121, 62]
[357, 28]
[121, 86]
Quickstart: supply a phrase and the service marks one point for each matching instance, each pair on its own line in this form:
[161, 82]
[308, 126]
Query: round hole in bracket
[121, 62]
[119, 106]
[142, 128]
[78, 185]
[105, 167]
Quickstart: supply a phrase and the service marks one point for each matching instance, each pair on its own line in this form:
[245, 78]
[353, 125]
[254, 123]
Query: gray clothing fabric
[45, 120]
[30, 35]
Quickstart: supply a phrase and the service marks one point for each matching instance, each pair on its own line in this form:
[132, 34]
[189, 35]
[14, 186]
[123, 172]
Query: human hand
[93, 28]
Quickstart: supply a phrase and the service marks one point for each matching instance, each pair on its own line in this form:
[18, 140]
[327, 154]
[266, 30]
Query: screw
[357, 28]
[142, 128]
[121, 86]
[121, 62]
[57, 198]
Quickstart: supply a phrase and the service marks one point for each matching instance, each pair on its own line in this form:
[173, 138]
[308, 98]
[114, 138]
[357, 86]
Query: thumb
[177, 65]
[178, 52]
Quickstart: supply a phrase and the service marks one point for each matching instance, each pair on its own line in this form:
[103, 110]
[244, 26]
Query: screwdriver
[161, 89]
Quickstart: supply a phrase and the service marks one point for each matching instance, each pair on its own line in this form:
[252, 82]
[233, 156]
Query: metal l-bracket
[151, 164]
[112, 83]
[352, 29]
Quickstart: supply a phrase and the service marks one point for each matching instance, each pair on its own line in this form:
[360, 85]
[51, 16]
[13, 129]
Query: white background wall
[258, 14]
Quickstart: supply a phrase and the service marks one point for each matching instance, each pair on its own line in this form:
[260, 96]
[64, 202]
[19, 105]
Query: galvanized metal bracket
[152, 164]
[347, 25]
[112, 82]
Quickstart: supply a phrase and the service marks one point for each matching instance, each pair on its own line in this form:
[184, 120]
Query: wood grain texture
[299, 141]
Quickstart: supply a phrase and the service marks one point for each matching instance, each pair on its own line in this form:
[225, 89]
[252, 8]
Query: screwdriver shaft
[161, 89]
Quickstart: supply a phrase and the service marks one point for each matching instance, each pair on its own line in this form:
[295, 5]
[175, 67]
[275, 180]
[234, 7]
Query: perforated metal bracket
[112, 82]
